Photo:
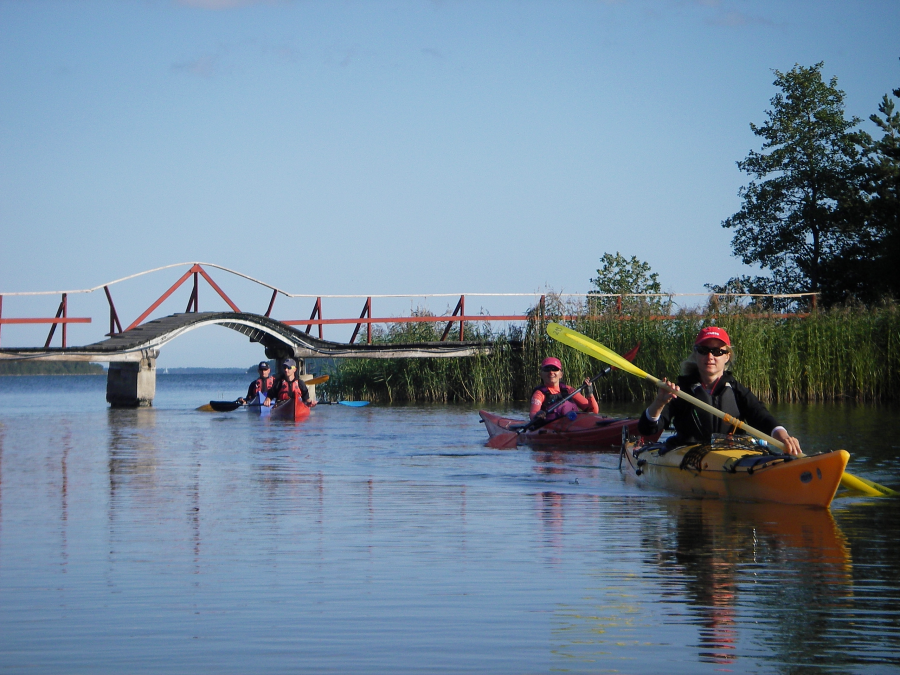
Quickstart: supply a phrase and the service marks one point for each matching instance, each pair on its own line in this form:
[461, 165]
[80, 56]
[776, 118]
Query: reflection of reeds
[841, 353]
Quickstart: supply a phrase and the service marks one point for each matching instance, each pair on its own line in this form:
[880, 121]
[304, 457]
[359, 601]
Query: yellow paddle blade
[590, 347]
[206, 408]
[317, 380]
[866, 486]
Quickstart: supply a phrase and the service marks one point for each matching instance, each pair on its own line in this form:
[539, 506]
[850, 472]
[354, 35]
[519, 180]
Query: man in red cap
[552, 390]
[706, 375]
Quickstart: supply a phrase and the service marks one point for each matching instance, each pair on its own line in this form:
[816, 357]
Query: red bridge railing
[316, 318]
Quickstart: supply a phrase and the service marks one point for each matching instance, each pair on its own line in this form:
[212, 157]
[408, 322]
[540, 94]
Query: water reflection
[2, 439]
[66, 445]
[390, 540]
[768, 557]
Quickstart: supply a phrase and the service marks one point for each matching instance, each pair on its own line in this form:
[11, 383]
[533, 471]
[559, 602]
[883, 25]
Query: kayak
[586, 430]
[292, 409]
[740, 470]
[256, 405]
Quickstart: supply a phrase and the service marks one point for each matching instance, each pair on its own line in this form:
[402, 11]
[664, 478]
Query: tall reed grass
[845, 353]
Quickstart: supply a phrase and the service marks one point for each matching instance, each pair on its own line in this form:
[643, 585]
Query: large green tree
[801, 214]
[621, 276]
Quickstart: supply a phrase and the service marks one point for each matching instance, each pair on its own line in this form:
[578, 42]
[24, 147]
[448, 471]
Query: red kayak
[588, 430]
[292, 409]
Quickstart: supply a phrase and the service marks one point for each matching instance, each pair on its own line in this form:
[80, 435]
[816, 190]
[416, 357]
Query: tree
[884, 201]
[801, 214]
[620, 276]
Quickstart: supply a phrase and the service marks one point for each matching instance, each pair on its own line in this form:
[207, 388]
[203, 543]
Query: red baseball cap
[551, 361]
[713, 333]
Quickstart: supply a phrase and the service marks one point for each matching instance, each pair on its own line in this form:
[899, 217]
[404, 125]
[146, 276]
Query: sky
[369, 148]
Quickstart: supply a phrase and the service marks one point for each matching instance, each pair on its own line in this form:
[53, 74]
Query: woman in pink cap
[706, 375]
[552, 390]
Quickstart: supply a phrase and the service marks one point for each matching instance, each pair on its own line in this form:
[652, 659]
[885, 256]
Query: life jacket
[282, 390]
[551, 399]
[723, 399]
[261, 385]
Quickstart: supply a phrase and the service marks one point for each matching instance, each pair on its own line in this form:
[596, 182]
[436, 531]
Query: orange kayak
[737, 470]
[292, 409]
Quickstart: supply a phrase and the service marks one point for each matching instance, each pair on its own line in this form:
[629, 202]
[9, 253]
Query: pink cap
[713, 333]
[551, 361]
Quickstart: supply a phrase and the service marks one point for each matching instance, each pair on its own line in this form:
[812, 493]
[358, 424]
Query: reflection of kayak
[292, 409]
[796, 527]
[587, 429]
[738, 470]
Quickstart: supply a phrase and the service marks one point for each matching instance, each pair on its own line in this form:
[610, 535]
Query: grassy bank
[849, 353]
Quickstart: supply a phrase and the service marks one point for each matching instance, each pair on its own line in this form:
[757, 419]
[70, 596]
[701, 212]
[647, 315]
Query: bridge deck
[145, 341]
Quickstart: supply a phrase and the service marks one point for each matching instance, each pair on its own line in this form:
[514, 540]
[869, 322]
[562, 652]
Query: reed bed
[843, 353]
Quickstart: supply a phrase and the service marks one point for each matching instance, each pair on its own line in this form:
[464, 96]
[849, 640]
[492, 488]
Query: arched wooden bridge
[131, 379]
[279, 340]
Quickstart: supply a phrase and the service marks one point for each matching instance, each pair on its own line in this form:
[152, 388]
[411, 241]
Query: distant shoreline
[159, 371]
[202, 371]
[53, 374]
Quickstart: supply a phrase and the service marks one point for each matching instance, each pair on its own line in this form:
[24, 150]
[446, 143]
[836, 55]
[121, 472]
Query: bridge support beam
[131, 384]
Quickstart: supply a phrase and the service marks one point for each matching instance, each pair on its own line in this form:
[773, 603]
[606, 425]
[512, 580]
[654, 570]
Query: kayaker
[288, 385]
[260, 385]
[552, 390]
[706, 375]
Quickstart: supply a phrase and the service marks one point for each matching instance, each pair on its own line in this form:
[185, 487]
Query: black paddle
[225, 406]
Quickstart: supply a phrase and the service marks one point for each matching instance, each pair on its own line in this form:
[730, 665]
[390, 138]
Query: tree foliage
[618, 275]
[883, 190]
[800, 217]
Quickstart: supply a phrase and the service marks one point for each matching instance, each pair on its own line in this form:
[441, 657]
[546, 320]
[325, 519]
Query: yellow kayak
[739, 470]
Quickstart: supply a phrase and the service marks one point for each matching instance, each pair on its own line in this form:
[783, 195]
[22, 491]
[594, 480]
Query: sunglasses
[715, 351]
[549, 369]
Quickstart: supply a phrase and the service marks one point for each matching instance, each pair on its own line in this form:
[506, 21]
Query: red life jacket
[282, 390]
[260, 385]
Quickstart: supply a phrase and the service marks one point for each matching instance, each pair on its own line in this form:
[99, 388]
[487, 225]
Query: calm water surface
[389, 539]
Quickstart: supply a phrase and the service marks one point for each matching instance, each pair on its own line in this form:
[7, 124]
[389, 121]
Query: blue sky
[389, 147]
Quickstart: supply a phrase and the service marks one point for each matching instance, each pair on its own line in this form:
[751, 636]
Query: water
[389, 539]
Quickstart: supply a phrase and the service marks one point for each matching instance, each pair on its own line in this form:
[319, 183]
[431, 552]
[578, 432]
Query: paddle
[228, 406]
[354, 404]
[225, 406]
[585, 344]
[510, 439]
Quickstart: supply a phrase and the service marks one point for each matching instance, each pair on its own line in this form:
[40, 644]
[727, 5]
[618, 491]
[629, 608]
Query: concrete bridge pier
[131, 384]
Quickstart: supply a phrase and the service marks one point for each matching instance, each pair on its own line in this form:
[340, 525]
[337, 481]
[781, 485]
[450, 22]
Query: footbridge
[132, 351]
[131, 379]
[279, 340]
